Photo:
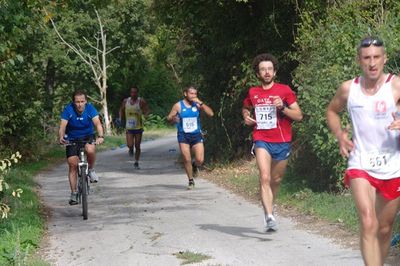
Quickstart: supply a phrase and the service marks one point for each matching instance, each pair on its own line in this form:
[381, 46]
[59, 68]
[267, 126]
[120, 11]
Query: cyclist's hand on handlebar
[62, 141]
[99, 141]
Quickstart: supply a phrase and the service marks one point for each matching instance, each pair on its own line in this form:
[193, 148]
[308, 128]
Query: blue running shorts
[279, 151]
[189, 138]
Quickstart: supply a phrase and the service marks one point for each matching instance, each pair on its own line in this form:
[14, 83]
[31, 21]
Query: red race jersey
[272, 125]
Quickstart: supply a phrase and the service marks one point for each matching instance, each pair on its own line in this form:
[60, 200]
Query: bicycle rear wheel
[84, 194]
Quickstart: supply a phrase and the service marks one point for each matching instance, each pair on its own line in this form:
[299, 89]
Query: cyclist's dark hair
[78, 92]
[134, 87]
[264, 57]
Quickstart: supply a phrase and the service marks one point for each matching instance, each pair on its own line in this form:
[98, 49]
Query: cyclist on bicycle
[78, 120]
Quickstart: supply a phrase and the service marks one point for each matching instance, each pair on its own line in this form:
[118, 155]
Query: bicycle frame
[83, 182]
[82, 178]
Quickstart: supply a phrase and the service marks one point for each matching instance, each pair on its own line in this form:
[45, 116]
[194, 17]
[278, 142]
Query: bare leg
[277, 172]
[137, 139]
[72, 173]
[187, 160]
[129, 140]
[365, 197]
[91, 155]
[386, 212]
[198, 150]
[263, 159]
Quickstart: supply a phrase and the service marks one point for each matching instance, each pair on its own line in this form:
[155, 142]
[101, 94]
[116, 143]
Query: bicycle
[83, 187]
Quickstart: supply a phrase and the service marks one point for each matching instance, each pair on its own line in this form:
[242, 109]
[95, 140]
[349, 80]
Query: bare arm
[246, 113]
[173, 117]
[207, 109]
[293, 111]
[396, 95]
[202, 106]
[145, 107]
[99, 129]
[337, 105]
[61, 131]
[122, 110]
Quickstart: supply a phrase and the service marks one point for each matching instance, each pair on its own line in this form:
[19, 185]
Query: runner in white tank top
[376, 148]
[373, 172]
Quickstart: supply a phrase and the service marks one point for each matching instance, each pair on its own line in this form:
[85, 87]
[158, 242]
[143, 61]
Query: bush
[326, 55]
[4, 187]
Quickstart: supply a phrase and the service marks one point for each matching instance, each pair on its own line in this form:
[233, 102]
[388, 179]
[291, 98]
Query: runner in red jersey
[270, 108]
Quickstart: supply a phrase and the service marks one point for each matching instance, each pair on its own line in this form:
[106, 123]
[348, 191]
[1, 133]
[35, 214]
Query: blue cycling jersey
[79, 125]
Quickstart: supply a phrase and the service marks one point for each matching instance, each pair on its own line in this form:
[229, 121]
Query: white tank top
[377, 148]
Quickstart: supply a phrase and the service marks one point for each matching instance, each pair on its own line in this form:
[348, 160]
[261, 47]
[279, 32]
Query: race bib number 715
[265, 116]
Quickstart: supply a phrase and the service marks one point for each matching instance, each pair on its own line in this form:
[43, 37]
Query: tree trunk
[49, 85]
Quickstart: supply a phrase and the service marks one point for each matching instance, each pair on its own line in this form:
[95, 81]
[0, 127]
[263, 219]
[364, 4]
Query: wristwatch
[100, 137]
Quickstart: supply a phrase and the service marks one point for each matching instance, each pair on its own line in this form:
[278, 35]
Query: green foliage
[326, 54]
[154, 121]
[5, 165]
[217, 41]
[21, 72]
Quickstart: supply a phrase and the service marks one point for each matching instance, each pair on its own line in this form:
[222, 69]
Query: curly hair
[264, 57]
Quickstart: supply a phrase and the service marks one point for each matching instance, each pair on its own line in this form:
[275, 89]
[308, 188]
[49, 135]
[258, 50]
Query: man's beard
[267, 82]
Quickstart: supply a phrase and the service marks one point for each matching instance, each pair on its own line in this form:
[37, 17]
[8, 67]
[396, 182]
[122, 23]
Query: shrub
[5, 165]
[326, 55]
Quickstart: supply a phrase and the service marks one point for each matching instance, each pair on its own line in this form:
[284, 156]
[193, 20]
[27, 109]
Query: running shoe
[191, 184]
[73, 200]
[94, 178]
[270, 224]
[131, 152]
[195, 170]
[136, 165]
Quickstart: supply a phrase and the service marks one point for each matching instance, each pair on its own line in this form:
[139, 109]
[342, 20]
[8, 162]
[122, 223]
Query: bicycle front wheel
[84, 194]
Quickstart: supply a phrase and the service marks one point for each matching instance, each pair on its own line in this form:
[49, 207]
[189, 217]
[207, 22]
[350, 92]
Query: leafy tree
[21, 85]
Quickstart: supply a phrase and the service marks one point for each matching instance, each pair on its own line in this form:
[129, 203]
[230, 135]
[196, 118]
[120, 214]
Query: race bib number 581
[374, 160]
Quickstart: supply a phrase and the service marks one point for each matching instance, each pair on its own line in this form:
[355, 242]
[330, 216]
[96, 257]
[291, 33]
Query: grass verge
[336, 210]
[21, 233]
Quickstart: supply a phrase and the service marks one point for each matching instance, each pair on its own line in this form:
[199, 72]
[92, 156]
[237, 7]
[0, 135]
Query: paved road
[144, 217]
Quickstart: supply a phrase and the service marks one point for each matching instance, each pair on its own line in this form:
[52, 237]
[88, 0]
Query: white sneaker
[270, 223]
[94, 178]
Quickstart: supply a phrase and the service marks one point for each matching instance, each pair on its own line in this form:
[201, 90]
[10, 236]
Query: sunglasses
[371, 41]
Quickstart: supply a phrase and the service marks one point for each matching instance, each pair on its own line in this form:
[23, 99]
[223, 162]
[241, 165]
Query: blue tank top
[189, 119]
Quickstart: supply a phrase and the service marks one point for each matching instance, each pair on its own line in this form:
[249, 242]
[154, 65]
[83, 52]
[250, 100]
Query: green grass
[335, 208]
[189, 257]
[21, 233]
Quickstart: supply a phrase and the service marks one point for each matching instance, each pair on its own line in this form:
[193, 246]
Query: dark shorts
[73, 150]
[279, 151]
[134, 131]
[189, 138]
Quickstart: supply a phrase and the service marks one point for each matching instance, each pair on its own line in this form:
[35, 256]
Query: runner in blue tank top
[186, 115]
